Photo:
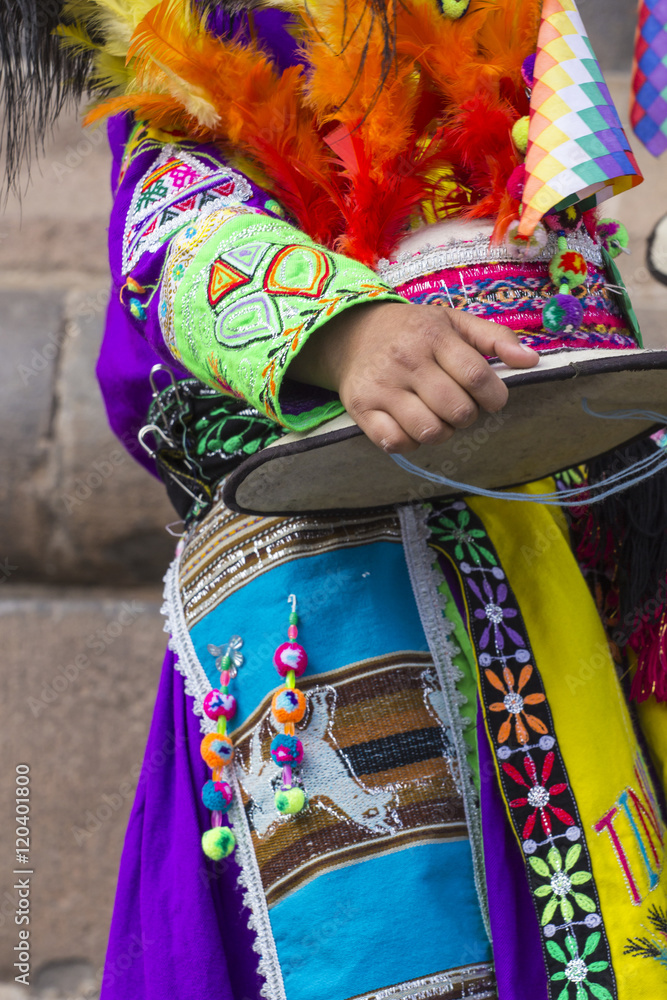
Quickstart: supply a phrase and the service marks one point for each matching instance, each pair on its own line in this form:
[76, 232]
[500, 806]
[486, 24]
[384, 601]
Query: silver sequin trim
[429, 259]
[434, 986]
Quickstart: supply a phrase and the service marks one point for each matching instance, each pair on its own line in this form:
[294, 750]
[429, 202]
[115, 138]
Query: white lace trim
[426, 577]
[197, 685]
[479, 250]
[254, 898]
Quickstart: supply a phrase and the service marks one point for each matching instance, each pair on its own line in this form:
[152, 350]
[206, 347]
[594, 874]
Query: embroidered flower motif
[462, 535]
[495, 615]
[178, 271]
[577, 971]
[539, 796]
[562, 883]
[513, 703]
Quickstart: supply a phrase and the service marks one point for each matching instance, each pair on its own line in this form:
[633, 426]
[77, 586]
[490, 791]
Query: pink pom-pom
[517, 182]
[218, 703]
[290, 656]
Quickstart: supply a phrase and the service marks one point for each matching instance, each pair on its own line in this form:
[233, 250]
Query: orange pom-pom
[217, 750]
[288, 705]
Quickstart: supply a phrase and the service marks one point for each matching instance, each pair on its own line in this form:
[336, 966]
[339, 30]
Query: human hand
[409, 374]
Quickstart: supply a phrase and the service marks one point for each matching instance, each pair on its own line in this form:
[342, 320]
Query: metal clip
[157, 393]
[152, 429]
[167, 370]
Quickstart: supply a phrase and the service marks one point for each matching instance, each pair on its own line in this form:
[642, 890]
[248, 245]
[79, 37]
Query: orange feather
[349, 160]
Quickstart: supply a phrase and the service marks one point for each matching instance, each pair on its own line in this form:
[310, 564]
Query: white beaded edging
[425, 578]
[473, 252]
[197, 685]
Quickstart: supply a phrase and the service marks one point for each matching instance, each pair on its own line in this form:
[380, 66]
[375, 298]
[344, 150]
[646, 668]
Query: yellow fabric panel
[591, 723]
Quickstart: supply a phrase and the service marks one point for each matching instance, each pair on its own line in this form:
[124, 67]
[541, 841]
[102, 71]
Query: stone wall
[83, 545]
[83, 549]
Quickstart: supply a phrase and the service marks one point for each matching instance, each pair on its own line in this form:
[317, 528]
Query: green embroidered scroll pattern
[241, 295]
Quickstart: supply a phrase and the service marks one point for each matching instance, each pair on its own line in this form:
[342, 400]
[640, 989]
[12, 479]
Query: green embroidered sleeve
[242, 293]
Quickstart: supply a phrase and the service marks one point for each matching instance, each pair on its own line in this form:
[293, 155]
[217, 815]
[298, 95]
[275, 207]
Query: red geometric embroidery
[222, 279]
[226, 188]
[310, 271]
[187, 204]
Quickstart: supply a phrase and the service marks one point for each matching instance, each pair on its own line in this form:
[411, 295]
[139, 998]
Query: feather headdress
[395, 106]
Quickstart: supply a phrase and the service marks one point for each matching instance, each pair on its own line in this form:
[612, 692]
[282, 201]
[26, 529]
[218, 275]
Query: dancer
[420, 773]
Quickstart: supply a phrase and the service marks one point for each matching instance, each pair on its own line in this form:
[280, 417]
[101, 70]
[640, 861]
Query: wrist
[322, 361]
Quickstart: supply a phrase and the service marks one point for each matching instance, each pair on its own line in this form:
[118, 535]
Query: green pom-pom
[290, 800]
[613, 235]
[520, 133]
[568, 268]
[218, 843]
[454, 8]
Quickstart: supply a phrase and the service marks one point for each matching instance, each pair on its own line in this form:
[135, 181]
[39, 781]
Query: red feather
[351, 164]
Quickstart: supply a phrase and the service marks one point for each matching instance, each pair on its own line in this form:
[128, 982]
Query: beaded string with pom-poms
[563, 313]
[288, 706]
[218, 751]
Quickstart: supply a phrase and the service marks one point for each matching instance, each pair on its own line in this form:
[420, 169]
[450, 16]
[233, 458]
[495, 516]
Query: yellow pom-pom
[218, 843]
[454, 8]
[520, 133]
[290, 801]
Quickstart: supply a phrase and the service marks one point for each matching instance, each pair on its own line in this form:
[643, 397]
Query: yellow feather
[115, 20]
[109, 69]
[76, 36]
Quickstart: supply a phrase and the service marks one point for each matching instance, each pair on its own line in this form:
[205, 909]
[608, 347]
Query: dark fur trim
[37, 78]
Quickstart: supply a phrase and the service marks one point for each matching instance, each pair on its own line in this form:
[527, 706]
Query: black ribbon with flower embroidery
[531, 770]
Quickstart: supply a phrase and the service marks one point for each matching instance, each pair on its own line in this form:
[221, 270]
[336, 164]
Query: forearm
[244, 294]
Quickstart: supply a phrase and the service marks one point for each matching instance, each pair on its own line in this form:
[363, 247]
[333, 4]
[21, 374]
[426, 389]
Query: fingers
[385, 432]
[410, 423]
[446, 398]
[465, 365]
[413, 377]
[493, 339]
